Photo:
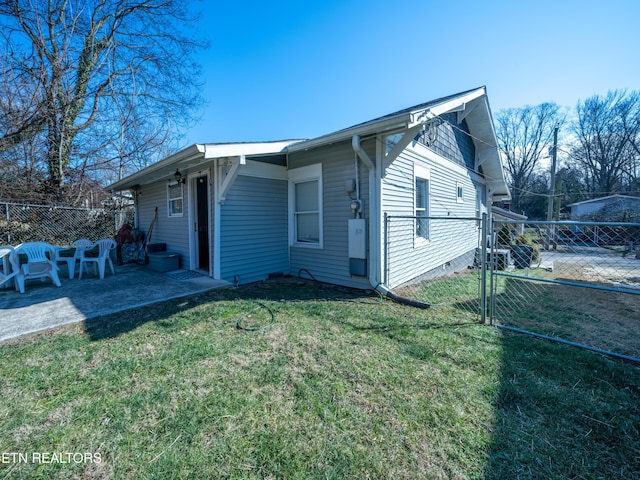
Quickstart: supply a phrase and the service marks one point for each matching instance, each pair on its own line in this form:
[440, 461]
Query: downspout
[375, 229]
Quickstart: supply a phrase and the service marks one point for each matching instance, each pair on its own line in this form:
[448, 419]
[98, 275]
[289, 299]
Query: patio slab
[45, 306]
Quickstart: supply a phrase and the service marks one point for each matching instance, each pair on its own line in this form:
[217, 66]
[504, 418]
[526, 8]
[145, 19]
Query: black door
[202, 222]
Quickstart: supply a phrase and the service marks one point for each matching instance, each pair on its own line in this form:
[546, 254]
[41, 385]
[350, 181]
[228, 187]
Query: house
[612, 208]
[244, 211]
[506, 215]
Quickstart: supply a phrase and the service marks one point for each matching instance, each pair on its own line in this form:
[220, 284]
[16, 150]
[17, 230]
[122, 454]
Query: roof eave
[190, 158]
[191, 152]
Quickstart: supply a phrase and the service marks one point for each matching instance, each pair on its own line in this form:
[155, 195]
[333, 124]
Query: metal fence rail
[21, 223]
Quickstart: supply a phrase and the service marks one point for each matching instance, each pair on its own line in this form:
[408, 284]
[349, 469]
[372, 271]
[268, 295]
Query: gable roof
[471, 105]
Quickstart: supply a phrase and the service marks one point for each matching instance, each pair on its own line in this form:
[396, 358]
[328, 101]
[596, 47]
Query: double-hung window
[422, 178]
[305, 205]
[175, 199]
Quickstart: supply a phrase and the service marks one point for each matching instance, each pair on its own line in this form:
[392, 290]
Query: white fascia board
[159, 169]
[221, 150]
[398, 122]
[195, 155]
[455, 104]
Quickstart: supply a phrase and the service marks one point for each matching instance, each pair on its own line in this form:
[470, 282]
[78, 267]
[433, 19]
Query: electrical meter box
[358, 246]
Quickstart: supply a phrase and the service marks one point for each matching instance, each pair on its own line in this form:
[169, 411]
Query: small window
[459, 193]
[422, 178]
[307, 212]
[175, 200]
[305, 205]
[422, 208]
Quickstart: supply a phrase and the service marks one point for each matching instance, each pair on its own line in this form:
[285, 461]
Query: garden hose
[239, 325]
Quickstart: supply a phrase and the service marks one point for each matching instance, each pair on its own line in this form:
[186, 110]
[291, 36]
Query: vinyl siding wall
[449, 240]
[170, 230]
[253, 230]
[331, 263]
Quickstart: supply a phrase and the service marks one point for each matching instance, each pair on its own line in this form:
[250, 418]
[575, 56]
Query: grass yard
[602, 319]
[337, 385]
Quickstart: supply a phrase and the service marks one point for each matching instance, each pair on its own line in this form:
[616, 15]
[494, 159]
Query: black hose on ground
[239, 325]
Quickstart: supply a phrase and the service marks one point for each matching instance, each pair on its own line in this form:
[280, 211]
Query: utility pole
[554, 157]
[552, 195]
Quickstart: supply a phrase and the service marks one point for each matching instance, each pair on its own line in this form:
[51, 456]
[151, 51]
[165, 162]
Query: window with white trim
[305, 206]
[175, 196]
[422, 178]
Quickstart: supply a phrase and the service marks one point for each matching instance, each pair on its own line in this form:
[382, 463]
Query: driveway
[45, 306]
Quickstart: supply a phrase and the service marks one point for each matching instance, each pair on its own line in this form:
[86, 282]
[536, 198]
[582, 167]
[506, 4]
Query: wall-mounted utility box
[358, 246]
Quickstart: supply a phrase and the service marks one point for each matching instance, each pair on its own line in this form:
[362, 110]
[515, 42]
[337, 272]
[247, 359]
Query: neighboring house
[613, 208]
[244, 211]
[505, 215]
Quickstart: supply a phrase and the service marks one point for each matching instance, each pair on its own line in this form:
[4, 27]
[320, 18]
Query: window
[459, 193]
[305, 205]
[174, 198]
[422, 177]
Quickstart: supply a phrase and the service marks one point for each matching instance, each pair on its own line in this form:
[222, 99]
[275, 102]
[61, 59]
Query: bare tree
[524, 136]
[606, 131]
[92, 72]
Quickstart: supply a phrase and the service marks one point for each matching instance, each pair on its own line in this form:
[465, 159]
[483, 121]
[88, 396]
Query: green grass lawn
[337, 385]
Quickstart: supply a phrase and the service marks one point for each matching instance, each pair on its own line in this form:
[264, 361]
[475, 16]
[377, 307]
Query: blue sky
[299, 69]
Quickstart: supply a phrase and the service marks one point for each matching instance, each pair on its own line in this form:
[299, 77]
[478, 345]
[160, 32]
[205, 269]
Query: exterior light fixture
[178, 177]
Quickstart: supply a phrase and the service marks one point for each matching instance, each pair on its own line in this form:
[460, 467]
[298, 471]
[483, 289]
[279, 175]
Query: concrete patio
[45, 306]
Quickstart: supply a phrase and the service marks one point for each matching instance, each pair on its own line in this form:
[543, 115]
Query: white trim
[193, 237]
[423, 173]
[216, 211]
[299, 175]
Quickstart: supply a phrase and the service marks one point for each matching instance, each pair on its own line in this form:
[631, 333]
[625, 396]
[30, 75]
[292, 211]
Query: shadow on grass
[558, 412]
[289, 290]
[562, 411]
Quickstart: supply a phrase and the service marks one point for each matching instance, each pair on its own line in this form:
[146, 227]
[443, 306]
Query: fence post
[386, 249]
[6, 206]
[483, 270]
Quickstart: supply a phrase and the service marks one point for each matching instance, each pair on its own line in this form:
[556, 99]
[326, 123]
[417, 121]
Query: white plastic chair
[105, 246]
[79, 246]
[10, 268]
[40, 262]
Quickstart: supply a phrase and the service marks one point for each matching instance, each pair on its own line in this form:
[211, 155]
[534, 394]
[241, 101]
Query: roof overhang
[195, 157]
[472, 106]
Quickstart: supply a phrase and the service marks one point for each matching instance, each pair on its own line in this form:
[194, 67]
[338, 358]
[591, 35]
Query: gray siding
[253, 230]
[170, 230]
[449, 239]
[331, 263]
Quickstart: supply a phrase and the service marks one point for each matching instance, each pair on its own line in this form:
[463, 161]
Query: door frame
[193, 218]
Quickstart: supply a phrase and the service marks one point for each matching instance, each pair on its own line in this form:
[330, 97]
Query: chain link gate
[573, 282]
[443, 268]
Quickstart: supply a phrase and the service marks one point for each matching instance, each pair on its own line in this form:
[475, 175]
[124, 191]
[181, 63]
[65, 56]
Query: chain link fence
[577, 282]
[21, 223]
[442, 267]
[573, 282]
